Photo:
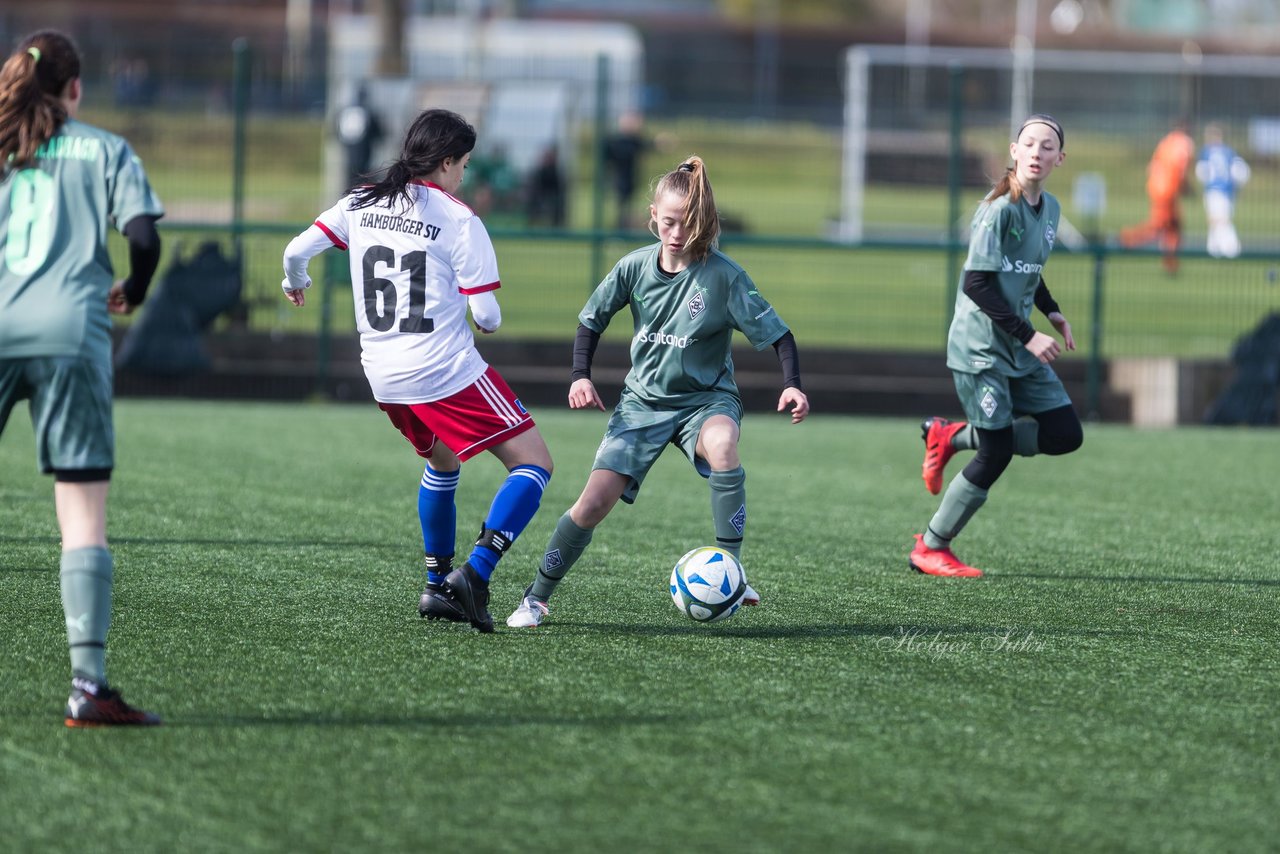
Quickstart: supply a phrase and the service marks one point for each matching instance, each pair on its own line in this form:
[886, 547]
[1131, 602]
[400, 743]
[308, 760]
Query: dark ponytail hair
[1008, 182]
[434, 136]
[32, 82]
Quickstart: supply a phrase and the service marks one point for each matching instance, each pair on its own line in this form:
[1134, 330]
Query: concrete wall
[1167, 392]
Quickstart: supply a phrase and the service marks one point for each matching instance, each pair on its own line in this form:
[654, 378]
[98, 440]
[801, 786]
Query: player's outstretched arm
[297, 255]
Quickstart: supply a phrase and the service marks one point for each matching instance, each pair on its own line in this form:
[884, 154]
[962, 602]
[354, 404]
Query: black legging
[1059, 433]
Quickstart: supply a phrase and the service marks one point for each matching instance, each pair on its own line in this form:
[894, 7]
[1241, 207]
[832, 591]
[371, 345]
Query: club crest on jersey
[696, 305]
[1050, 235]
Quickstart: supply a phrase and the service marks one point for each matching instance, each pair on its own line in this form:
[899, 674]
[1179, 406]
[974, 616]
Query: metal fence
[240, 157]
[884, 296]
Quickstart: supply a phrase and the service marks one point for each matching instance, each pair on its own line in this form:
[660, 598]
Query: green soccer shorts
[639, 432]
[992, 400]
[70, 400]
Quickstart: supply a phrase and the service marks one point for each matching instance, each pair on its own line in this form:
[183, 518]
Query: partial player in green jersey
[63, 184]
[1013, 399]
[686, 299]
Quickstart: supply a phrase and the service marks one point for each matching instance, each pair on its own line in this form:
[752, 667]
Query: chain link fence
[239, 143]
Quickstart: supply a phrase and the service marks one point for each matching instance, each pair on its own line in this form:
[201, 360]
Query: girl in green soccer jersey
[1013, 399]
[686, 299]
[62, 183]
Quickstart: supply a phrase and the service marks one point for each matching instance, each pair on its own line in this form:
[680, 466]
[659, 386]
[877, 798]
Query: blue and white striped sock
[438, 514]
[512, 509]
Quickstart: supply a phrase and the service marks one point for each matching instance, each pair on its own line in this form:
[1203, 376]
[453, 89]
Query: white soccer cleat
[529, 615]
[751, 597]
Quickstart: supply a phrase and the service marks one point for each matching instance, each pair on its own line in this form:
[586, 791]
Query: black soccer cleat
[471, 592]
[92, 704]
[439, 603]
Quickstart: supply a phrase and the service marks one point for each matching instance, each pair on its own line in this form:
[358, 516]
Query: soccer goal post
[900, 104]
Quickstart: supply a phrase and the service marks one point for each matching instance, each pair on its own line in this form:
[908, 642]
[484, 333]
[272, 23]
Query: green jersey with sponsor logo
[1013, 241]
[682, 324]
[54, 268]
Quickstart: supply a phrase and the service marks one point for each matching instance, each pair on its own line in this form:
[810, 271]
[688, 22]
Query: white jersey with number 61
[413, 269]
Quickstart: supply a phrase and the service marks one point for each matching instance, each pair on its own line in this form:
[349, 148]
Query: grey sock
[961, 500]
[85, 579]
[568, 542]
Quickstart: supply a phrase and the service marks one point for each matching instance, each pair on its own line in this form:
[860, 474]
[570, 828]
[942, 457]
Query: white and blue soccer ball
[708, 584]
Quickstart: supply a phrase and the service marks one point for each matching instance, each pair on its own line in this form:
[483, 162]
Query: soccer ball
[708, 584]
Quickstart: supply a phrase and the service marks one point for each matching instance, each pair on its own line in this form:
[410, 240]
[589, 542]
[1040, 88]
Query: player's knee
[540, 456]
[589, 511]
[995, 452]
[525, 450]
[720, 450]
[1060, 432]
[1064, 440]
[588, 517]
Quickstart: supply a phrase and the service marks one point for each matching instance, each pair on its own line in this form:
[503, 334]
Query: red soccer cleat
[939, 562]
[937, 433]
[93, 705]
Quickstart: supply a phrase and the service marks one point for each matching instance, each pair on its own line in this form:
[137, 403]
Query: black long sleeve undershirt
[1044, 300]
[789, 358]
[584, 350]
[144, 257]
[586, 340]
[980, 286]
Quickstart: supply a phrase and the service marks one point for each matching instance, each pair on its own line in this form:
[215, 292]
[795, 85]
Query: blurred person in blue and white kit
[1222, 172]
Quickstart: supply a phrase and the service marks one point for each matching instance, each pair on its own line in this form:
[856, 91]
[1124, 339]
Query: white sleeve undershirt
[298, 253]
[485, 310]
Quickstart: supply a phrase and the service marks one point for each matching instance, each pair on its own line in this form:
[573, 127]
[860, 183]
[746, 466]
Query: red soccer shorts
[482, 415]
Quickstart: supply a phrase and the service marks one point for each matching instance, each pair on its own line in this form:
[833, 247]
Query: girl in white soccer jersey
[63, 183]
[999, 361]
[686, 299]
[419, 259]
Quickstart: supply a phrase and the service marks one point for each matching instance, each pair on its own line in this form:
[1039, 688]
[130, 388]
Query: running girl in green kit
[63, 183]
[686, 299]
[999, 361]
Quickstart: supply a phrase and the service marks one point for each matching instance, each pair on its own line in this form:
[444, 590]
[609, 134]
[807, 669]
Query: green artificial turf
[1111, 684]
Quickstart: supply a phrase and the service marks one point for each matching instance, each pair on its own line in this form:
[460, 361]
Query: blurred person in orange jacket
[1167, 175]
